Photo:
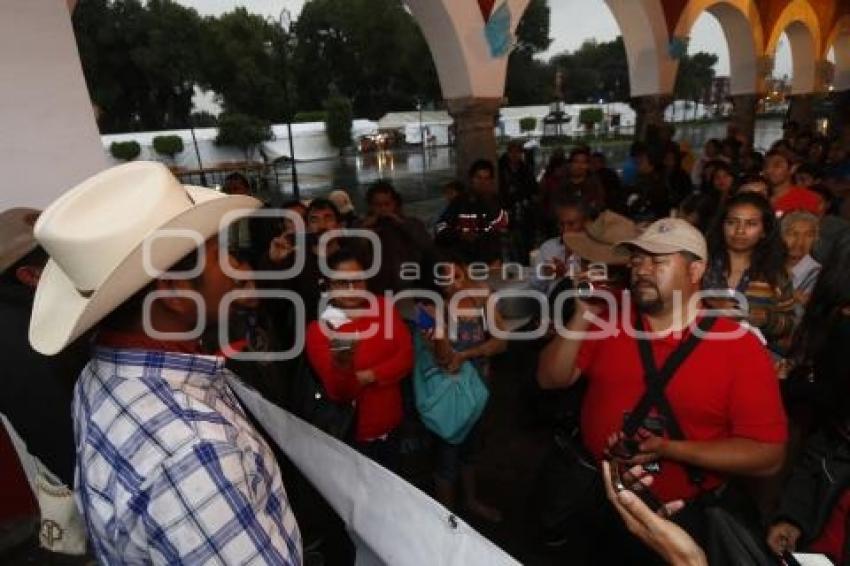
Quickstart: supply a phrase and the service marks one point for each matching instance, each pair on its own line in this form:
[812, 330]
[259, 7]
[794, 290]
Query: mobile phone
[616, 479]
[644, 493]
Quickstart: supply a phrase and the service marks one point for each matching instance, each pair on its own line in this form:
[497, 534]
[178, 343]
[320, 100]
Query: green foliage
[243, 61]
[589, 117]
[529, 80]
[594, 71]
[140, 61]
[338, 121]
[372, 50]
[125, 151]
[243, 131]
[695, 75]
[168, 145]
[533, 30]
[311, 116]
[527, 124]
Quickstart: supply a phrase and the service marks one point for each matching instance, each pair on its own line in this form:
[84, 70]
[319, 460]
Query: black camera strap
[656, 383]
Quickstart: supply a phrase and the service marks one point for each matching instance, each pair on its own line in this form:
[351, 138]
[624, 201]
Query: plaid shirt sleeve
[216, 503]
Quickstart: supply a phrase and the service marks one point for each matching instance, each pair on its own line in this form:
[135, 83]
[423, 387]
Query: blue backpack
[449, 404]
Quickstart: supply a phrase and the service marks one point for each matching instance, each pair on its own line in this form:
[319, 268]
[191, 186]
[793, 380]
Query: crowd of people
[705, 357]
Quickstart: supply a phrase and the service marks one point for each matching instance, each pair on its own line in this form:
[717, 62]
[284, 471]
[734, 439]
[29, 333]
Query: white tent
[309, 139]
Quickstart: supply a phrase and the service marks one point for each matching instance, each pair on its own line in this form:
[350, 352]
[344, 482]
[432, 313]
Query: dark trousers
[385, 452]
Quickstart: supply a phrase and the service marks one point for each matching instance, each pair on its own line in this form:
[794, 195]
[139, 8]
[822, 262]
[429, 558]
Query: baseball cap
[668, 236]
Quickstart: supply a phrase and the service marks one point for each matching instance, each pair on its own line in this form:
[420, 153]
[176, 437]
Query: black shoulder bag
[727, 541]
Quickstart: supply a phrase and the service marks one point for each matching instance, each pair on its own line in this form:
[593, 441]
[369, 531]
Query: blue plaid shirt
[170, 471]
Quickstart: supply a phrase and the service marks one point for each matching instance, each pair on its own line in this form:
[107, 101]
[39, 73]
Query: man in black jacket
[37, 389]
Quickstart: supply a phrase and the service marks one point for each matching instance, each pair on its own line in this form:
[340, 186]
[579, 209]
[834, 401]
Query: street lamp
[197, 152]
[285, 23]
[421, 131]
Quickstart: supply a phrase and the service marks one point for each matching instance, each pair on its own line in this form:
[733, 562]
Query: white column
[48, 135]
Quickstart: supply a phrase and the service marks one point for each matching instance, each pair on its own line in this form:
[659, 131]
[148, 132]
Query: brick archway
[740, 21]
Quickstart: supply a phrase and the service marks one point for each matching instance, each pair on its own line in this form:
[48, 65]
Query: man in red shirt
[724, 396]
[784, 196]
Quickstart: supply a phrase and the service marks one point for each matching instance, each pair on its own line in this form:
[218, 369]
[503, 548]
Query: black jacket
[38, 390]
[817, 481]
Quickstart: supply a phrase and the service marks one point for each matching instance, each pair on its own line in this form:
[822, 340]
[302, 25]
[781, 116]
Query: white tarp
[48, 135]
[391, 521]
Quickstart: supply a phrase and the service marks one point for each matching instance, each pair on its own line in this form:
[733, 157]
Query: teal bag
[449, 404]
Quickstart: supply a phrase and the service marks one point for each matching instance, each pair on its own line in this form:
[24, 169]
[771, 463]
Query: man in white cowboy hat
[715, 413]
[169, 469]
[579, 241]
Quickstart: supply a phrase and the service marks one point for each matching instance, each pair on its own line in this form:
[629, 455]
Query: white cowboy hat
[16, 239]
[96, 233]
[595, 243]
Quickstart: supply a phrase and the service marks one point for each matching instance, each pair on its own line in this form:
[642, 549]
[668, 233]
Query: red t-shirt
[798, 198]
[724, 389]
[388, 353]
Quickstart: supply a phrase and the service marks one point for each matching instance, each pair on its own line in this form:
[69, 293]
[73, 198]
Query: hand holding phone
[666, 538]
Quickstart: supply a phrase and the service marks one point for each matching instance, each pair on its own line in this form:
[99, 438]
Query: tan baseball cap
[668, 236]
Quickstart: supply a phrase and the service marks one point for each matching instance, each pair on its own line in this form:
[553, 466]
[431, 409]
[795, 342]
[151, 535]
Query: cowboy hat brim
[591, 250]
[61, 313]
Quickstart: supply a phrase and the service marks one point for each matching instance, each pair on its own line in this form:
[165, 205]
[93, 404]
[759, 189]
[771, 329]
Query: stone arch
[644, 31]
[801, 24]
[840, 40]
[455, 34]
[742, 27]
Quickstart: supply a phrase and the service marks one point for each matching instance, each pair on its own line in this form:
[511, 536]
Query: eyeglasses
[347, 283]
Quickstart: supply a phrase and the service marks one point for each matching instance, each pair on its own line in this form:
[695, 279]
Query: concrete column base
[474, 122]
[650, 113]
[743, 119]
[801, 111]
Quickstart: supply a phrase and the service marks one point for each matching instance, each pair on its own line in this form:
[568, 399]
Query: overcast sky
[596, 22]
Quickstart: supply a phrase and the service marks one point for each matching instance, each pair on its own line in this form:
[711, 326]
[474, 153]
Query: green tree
[243, 131]
[594, 71]
[140, 61]
[125, 151]
[168, 145]
[338, 120]
[529, 80]
[589, 117]
[527, 124]
[372, 50]
[695, 75]
[241, 61]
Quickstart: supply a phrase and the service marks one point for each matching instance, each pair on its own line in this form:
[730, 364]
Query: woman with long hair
[748, 255]
[361, 355]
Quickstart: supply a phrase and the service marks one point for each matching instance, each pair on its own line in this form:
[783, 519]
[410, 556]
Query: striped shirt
[170, 471]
